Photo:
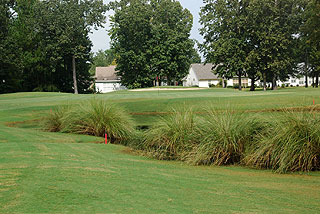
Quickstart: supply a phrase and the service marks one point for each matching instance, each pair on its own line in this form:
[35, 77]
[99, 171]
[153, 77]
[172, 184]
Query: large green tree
[225, 36]
[272, 26]
[150, 38]
[251, 37]
[311, 37]
[32, 70]
[170, 47]
[9, 66]
[130, 32]
[42, 42]
[64, 26]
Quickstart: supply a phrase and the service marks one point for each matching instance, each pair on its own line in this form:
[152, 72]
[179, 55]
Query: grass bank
[59, 172]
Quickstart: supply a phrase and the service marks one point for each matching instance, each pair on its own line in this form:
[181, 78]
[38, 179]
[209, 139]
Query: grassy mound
[95, 117]
[223, 137]
[287, 142]
[291, 144]
[172, 136]
[53, 123]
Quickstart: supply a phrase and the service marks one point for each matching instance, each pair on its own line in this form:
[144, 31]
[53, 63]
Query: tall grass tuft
[172, 136]
[96, 117]
[223, 137]
[53, 123]
[291, 144]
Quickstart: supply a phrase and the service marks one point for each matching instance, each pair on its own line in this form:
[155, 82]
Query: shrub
[223, 138]
[220, 83]
[236, 86]
[46, 88]
[171, 136]
[291, 144]
[93, 118]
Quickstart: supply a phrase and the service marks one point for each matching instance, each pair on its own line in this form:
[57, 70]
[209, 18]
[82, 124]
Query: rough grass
[288, 141]
[53, 122]
[291, 143]
[94, 117]
[223, 137]
[285, 142]
[172, 136]
[52, 172]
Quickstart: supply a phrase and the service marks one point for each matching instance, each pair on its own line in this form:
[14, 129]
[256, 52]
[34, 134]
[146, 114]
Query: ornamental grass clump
[53, 122]
[223, 136]
[172, 136]
[96, 117]
[291, 144]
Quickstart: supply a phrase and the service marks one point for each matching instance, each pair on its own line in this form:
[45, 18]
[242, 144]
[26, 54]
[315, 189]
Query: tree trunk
[306, 81]
[223, 85]
[317, 80]
[240, 83]
[75, 85]
[168, 81]
[306, 71]
[312, 80]
[274, 83]
[252, 87]
[264, 81]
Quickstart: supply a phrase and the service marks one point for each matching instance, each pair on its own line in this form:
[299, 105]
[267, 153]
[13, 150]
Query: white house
[295, 81]
[201, 75]
[106, 79]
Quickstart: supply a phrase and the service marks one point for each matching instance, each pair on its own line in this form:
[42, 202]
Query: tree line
[263, 40]
[45, 44]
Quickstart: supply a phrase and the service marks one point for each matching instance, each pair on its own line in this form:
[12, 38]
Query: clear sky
[101, 39]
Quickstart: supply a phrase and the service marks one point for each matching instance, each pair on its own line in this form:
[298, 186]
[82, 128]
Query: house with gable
[107, 80]
[202, 75]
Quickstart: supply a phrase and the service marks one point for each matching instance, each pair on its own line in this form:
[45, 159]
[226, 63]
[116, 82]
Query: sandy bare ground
[166, 89]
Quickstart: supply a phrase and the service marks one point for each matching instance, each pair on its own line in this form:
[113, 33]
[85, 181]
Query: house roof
[204, 71]
[106, 74]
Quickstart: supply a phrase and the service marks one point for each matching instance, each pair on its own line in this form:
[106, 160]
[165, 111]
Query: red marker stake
[106, 138]
[314, 102]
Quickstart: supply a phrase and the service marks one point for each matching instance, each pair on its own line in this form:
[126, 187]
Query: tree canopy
[102, 59]
[260, 39]
[225, 36]
[48, 42]
[151, 39]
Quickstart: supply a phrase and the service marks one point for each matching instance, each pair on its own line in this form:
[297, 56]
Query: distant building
[106, 79]
[295, 81]
[202, 75]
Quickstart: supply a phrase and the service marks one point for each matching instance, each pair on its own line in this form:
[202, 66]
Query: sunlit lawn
[44, 172]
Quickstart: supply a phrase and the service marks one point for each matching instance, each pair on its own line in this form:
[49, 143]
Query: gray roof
[106, 73]
[204, 71]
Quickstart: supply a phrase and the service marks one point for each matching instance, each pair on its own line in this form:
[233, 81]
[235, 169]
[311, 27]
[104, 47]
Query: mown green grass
[44, 172]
